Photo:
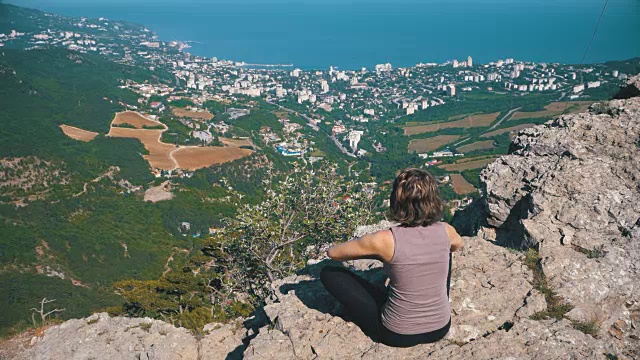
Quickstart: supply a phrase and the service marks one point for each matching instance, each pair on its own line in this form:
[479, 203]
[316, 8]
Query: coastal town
[356, 110]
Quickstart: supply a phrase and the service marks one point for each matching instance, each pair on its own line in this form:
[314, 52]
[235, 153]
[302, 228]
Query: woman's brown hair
[415, 199]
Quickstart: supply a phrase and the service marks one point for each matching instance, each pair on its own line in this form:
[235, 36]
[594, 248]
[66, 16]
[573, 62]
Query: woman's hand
[456, 241]
[379, 245]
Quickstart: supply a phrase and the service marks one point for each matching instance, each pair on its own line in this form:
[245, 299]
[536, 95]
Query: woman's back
[418, 300]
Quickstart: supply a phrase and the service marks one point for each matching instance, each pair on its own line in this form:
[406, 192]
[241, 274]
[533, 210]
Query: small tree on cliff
[309, 208]
[301, 212]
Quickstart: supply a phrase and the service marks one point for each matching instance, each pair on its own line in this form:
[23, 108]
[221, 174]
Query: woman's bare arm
[456, 241]
[378, 245]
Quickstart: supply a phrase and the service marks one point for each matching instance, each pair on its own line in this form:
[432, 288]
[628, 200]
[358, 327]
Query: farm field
[467, 164]
[194, 157]
[506, 130]
[134, 118]
[478, 145]
[159, 152]
[460, 185]
[555, 108]
[77, 133]
[469, 121]
[198, 115]
[431, 144]
[235, 142]
[167, 156]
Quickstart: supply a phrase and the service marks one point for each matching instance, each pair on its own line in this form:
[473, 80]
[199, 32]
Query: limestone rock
[102, 337]
[488, 286]
[571, 187]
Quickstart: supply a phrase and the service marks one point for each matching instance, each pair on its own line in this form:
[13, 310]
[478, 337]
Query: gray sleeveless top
[418, 301]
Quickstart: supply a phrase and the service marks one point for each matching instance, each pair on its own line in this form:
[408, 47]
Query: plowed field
[192, 158]
[431, 144]
[467, 122]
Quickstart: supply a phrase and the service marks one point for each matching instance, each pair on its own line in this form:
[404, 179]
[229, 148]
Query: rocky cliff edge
[570, 189]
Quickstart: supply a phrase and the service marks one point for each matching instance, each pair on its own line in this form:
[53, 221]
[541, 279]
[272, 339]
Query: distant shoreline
[350, 41]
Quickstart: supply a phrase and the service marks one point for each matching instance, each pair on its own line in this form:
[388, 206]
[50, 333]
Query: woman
[417, 255]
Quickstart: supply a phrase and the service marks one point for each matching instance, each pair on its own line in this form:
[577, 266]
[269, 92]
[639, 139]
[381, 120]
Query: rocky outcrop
[102, 337]
[569, 188]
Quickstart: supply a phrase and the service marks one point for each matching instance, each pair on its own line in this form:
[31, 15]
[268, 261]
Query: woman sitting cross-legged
[417, 255]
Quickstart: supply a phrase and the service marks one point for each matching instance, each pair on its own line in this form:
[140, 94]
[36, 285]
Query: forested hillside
[71, 237]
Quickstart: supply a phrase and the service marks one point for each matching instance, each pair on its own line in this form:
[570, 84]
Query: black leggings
[363, 302]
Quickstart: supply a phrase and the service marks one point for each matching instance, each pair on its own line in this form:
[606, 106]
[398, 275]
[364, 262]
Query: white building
[325, 86]
[354, 139]
[384, 67]
[469, 61]
[451, 90]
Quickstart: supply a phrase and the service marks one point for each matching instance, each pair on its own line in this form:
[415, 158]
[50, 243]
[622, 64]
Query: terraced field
[553, 109]
[467, 164]
[460, 185]
[506, 130]
[478, 145]
[431, 144]
[479, 120]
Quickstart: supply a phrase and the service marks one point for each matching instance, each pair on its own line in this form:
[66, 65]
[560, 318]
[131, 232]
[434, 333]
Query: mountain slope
[70, 226]
[567, 186]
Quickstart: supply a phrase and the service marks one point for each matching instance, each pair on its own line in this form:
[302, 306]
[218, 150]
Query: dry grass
[431, 144]
[77, 133]
[478, 145]
[466, 165]
[555, 108]
[159, 152]
[134, 118]
[236, 142]
[467, 122]
[506, 130]
[192, 158]
[197, 114]
[460, 185]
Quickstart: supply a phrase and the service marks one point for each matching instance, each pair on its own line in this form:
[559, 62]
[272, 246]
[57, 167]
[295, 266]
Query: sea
[316, 34]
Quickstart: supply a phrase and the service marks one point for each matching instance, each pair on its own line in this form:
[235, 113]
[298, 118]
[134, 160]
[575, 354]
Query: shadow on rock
[313, 294]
